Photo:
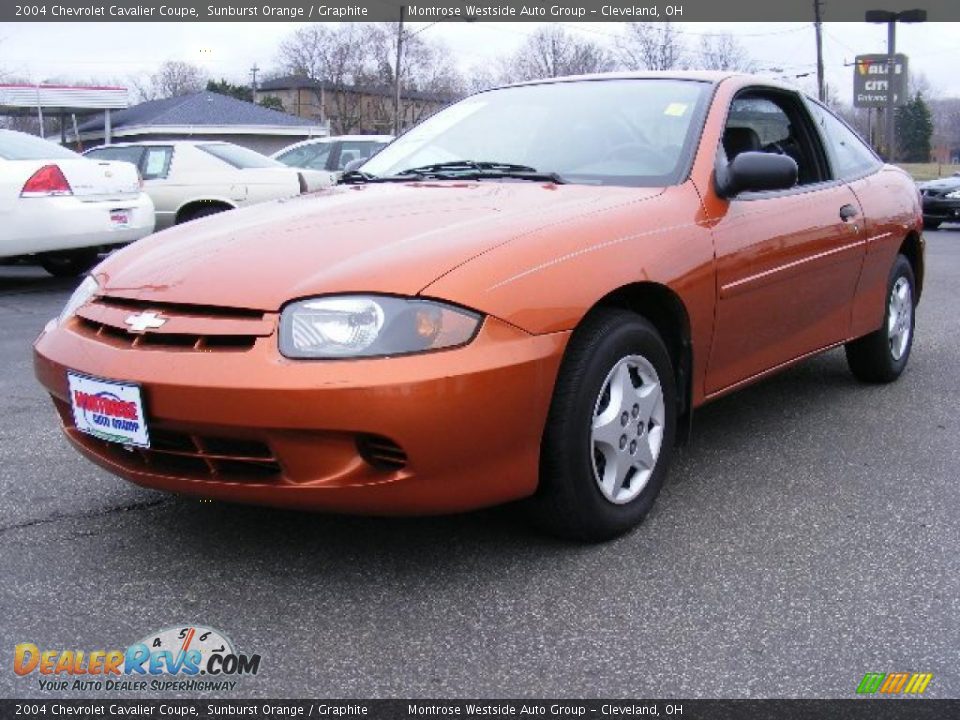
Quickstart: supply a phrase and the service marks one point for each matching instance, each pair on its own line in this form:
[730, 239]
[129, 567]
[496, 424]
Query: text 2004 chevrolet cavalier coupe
[526, 296]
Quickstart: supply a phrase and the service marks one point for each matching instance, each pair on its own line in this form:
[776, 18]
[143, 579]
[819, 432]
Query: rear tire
[610, 430]
[931, 224]
[882, 355]
[69, 264]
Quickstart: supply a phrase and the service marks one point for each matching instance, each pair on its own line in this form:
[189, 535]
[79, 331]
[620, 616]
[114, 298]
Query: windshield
[240, 157]
[20, 146]
[601, 132]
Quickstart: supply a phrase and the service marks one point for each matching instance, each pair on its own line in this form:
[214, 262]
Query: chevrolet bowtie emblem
[141, 322]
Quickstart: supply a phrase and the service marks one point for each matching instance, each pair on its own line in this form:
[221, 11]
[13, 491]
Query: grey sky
[114, 51]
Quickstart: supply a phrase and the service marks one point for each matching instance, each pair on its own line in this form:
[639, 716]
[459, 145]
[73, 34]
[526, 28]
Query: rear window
[20, 146]
[240, 157]
[125, 153]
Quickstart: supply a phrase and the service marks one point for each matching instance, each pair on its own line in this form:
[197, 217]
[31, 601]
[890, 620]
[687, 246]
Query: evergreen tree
[914, 130]
[240, 92]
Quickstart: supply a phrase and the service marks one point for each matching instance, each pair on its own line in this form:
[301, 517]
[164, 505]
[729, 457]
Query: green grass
[929, 171]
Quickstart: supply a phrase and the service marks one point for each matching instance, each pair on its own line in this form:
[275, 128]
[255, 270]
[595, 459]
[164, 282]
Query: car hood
[381, 238]
[947, 183]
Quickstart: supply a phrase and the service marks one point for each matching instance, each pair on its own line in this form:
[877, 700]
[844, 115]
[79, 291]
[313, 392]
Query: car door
[890, 207]
[787, 262]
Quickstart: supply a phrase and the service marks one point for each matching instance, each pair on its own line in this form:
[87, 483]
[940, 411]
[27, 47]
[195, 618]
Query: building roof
[295, 82]
[202, 108]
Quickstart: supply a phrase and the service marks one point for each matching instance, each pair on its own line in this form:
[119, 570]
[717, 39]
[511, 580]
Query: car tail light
[48, 180]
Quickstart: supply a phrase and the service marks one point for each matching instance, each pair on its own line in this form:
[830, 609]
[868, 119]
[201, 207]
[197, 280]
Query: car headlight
[355, 326]
[955, 195]
[86, 290]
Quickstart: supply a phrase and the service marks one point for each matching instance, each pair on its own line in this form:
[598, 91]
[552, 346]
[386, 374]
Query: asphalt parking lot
[807, 536]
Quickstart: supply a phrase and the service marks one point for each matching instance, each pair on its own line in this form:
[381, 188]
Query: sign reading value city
[872, 79]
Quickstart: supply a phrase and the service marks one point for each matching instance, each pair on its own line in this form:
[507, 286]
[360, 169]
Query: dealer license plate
[108, 409]
[119, 219]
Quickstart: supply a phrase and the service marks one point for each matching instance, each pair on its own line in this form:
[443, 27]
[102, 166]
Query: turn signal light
[48, 180]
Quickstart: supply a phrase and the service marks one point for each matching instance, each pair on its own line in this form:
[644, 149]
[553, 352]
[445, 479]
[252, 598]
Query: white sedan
[189, 179]
[61, 209]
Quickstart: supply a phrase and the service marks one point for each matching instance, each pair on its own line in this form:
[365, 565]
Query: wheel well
[664, 308]
[194, 205]
[913, 251]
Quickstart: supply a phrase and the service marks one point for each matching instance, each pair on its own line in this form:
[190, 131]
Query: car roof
[142, 143]
[710, 76]
[336, 138]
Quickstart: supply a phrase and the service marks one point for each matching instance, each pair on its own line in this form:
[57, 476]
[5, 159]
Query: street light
[891, 19]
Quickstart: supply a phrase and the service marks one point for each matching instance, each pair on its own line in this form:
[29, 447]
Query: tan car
[187, 180]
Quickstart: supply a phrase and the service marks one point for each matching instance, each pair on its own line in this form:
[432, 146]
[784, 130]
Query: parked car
[332, 153]
[941, 201]
[524, 297]
[191, 179]
[60, 209]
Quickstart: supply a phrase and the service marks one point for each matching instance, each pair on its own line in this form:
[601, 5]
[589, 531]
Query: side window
[773, 122]
[356, 150]
[312, 157]
[850, 156]
[156, 162]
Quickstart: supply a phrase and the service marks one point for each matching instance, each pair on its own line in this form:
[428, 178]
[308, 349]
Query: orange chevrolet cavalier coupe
[524, 297]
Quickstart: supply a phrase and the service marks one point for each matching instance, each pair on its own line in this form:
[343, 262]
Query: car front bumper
[941, 209]
[431, 433]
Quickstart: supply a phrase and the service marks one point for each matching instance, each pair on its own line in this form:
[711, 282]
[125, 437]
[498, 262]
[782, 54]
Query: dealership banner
[448, 10]
[513, 709]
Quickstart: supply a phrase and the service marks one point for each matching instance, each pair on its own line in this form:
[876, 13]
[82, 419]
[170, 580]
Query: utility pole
[253, 77]
[891, 19]
[818, 26]
[890, 110]
[396, 76]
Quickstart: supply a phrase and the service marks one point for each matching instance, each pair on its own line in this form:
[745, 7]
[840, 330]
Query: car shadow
[17, 279]
[750, 417]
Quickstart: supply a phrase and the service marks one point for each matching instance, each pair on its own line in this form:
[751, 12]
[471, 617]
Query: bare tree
[172, 79]
[356, 62]
[723, 52]
[651, 46]
[552, 52]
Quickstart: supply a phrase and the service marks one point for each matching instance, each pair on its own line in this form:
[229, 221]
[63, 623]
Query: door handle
[848, 212]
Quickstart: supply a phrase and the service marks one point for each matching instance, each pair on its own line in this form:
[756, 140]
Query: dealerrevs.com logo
[186, 658]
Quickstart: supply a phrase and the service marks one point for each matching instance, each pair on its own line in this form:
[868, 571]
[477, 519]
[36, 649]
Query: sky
[86, 52]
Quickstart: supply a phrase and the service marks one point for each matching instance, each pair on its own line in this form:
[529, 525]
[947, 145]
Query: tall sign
[872, 80]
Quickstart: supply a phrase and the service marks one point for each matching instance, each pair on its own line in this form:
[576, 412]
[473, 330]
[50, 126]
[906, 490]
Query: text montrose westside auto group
[504, 11]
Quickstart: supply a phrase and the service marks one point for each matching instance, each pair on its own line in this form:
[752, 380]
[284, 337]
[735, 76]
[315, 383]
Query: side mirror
[756, 171]
[354, 164]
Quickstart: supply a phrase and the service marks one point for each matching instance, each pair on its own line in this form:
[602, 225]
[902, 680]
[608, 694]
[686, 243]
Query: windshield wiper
[472, 169]
[456, 170]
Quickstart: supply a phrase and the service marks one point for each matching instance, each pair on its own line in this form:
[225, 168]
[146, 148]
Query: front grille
[186, 455]
[185, 327]
[382, 453]
[169, 341]
[178, 308]
[194, 456]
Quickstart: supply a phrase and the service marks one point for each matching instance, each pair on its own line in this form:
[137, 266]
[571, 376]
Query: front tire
[610, 430]
[882, 355]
